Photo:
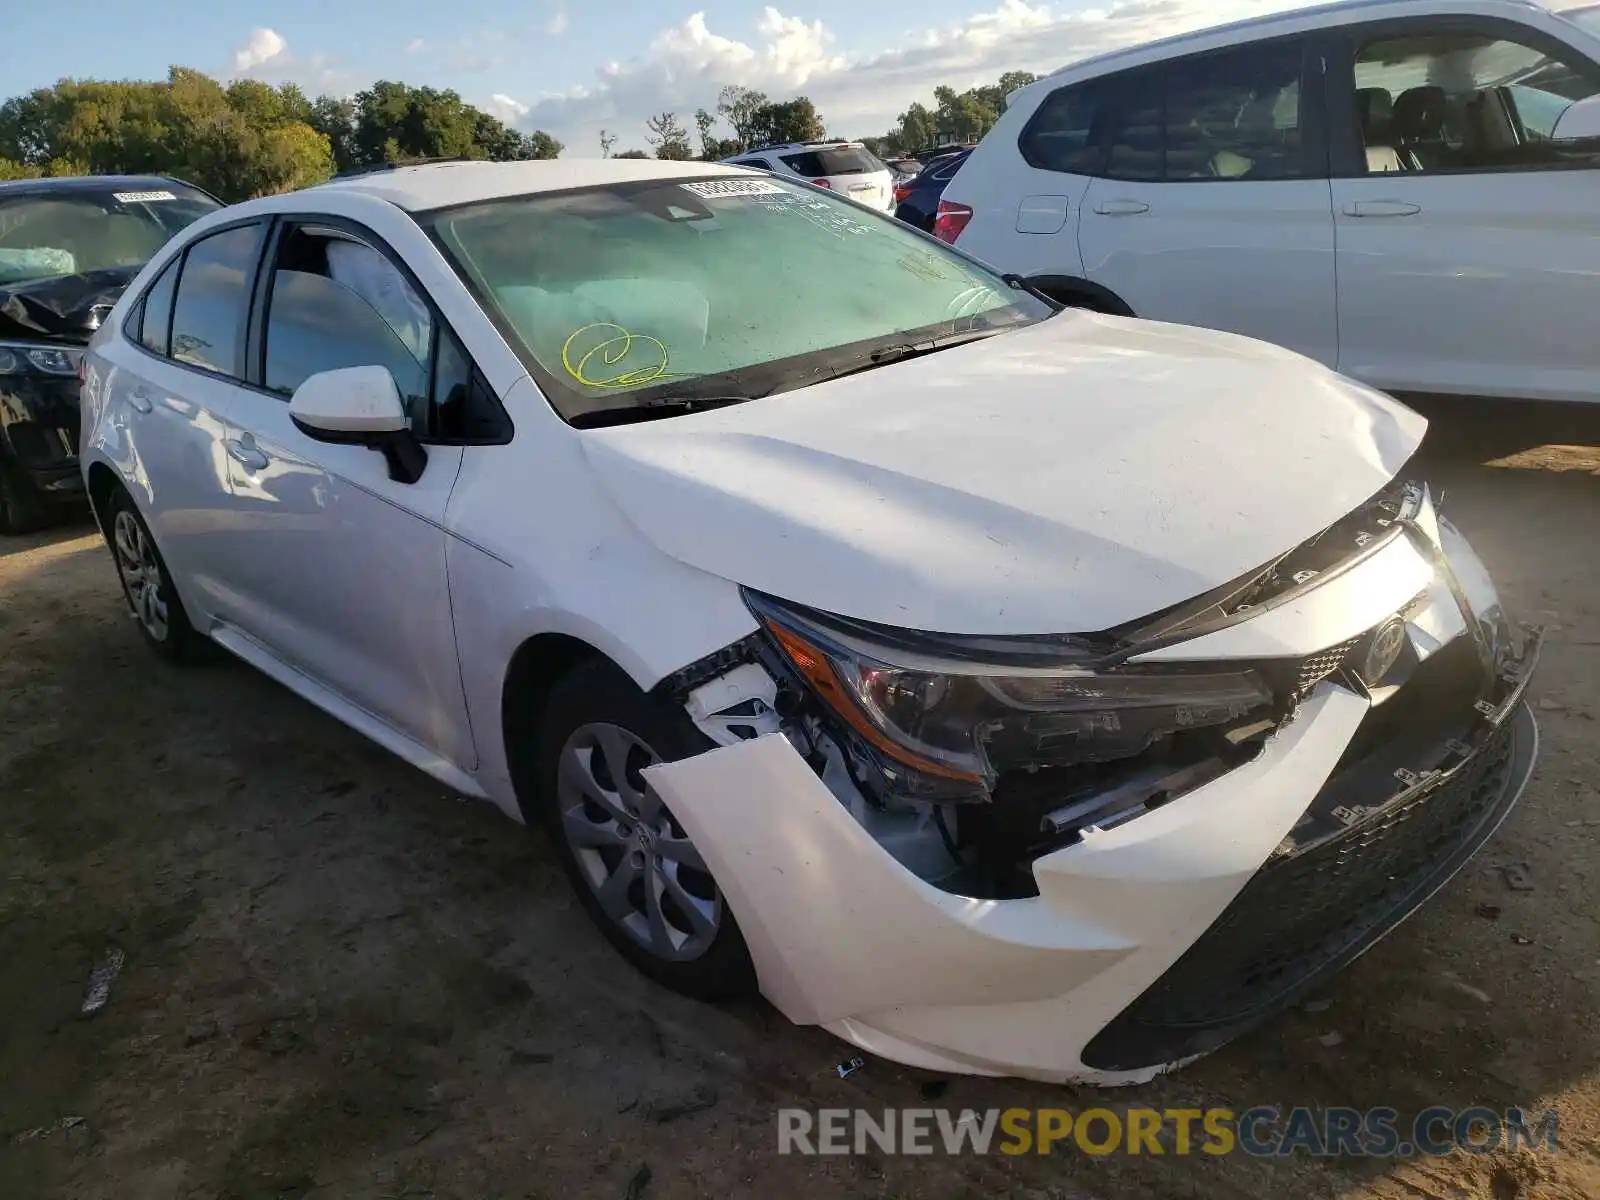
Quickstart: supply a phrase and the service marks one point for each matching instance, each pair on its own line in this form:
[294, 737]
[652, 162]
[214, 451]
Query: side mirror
[1580, 120]
[360, 406]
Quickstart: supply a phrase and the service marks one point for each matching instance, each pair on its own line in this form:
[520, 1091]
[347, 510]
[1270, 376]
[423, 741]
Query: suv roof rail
[780, 145]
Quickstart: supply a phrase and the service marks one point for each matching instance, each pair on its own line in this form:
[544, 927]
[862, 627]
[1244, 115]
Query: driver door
[1214, 207]
[339, 569]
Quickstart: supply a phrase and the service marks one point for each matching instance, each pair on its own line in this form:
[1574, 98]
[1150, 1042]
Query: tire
[20, 509]
[1074, 299]
[620, 847]
[146, 585]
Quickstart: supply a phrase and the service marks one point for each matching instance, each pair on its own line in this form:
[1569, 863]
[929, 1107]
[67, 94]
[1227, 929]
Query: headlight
[945, 727]
[20, 358]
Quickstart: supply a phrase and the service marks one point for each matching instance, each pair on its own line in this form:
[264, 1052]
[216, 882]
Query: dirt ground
[340, 982]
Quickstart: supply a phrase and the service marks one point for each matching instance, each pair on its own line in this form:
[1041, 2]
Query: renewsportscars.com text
[1261, 1131]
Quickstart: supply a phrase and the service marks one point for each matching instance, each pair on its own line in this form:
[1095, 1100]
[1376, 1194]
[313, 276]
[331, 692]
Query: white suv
[848, 168]
[1403, 189]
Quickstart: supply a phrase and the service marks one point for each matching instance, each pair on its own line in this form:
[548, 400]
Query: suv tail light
[952, 219]
[822, 183]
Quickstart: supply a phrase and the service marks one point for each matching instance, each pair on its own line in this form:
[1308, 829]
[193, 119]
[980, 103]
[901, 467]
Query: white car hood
[1066, 477]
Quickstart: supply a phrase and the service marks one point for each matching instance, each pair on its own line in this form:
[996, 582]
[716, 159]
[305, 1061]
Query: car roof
[93, 183]
[780, 147]
[1254, 28]
[441, 185]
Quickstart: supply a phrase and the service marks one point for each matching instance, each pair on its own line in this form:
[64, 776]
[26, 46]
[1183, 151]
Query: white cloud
[263, 46]
[416, 46]
[858, 94]
[503, 106]
[559, 22]
[268, 57]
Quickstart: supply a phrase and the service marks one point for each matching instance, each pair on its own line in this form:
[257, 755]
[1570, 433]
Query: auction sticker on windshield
[715, 188]
[140, 197]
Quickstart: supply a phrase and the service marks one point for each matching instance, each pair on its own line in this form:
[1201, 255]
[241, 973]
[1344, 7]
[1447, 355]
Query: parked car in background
[848, 168]
[917, 199]
[904, 169]
[1006, 689]
[1404, 189]
[67, 249]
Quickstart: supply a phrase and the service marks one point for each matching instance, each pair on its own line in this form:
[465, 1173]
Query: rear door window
[155, 323]
[840, 160]
[208, 316]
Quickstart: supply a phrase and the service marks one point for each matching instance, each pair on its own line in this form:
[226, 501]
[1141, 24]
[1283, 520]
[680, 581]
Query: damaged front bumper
[1155, 940]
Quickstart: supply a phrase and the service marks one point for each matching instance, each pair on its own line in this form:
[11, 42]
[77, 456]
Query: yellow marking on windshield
[611, 351]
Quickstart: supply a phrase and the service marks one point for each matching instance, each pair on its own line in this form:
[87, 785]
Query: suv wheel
[636, 872]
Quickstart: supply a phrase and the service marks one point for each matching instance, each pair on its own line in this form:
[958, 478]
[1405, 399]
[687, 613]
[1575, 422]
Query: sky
[574, 67]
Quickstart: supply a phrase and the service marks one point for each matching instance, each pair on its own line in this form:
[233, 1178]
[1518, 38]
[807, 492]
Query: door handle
[1121, 208]
[247, 454]
[139, 400]
[1381, 208]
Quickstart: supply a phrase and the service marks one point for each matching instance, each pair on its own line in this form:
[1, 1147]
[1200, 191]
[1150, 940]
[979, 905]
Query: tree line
[246, 138]
[249, 138]
[750, 116]
[754, 120]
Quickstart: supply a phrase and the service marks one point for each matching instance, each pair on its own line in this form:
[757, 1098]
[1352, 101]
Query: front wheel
[636, 872]
[19, 506]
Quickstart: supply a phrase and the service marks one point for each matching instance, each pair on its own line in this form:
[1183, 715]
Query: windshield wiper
[1023, 285]
[651, 409]
[885, 355]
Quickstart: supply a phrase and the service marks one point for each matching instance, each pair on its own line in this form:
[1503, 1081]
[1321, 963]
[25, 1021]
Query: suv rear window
[841, 160]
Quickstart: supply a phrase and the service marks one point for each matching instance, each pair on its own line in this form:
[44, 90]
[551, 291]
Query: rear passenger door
[1468, 238]
[175, 395]
[1212, 204]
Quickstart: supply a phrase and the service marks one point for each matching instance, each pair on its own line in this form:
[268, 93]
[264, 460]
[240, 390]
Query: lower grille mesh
[1308, 908]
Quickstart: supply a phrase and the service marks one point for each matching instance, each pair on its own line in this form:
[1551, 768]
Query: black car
[917, 200]
[68, 248]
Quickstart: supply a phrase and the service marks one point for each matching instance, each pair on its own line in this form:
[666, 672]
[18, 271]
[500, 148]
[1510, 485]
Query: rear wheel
[146, 584]
[636, 872]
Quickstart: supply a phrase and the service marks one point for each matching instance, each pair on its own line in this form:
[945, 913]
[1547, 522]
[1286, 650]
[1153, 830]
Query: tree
[631, 154]
[918, 128]
[712, 147]
[244, 139]
[669, 137]
[964, 116]
[540, 144]
[335, 119]
[741, 108]
[794, 120]
[607, 140]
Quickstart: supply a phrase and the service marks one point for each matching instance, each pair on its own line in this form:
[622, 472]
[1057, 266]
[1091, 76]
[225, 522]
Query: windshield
[49, 234]
[736, 286]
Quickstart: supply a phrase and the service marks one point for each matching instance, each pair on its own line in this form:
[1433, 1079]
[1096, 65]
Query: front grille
[1317, 667]
[1308, 909]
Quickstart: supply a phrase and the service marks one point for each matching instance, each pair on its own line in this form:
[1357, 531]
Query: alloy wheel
[141, 574]
[644, 871]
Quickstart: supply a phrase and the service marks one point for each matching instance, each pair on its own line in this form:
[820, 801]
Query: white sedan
[1006, 689]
